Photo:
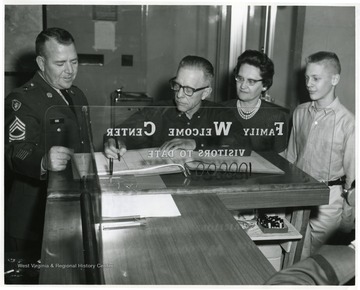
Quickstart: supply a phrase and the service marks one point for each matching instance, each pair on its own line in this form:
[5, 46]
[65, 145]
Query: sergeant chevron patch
[17, 130]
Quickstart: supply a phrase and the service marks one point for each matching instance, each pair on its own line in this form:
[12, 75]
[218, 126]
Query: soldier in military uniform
[44, 126]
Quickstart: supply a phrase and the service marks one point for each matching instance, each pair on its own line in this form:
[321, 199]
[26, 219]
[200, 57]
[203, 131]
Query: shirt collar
[196, 114]
[329, 108]
[41, 75]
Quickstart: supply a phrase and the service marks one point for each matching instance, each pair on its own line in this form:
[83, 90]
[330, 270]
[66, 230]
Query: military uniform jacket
[37, 118]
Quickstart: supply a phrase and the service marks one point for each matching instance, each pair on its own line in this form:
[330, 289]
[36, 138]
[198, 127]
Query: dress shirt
[322, 141]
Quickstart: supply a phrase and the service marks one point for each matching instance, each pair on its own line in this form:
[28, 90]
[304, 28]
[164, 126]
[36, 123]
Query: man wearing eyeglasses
[192, 124]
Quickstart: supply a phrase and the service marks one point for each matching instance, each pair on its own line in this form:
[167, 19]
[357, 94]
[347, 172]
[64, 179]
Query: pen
[117, 147]
[111, 166]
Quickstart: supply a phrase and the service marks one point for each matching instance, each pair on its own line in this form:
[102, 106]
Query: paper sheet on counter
[151, 205]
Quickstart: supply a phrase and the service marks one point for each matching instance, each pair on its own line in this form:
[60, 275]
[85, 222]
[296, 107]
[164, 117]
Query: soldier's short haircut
[60, 35]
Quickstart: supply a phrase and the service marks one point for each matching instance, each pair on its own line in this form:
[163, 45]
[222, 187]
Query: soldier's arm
[23, 148]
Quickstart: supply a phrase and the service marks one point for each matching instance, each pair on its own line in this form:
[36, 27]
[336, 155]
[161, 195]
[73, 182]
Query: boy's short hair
[325, 56]
[259, 60]
[200, 63]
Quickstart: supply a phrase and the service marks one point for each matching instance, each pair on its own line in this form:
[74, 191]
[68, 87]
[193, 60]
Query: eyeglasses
[189, 91]
[250, 82]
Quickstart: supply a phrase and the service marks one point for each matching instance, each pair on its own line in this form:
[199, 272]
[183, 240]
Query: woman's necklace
[247, 115]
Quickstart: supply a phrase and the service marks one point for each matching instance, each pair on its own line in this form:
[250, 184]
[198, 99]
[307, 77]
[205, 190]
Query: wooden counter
[204, 246]
[63, 241]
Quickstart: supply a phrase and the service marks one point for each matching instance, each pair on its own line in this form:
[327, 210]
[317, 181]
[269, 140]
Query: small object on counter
[271, 224]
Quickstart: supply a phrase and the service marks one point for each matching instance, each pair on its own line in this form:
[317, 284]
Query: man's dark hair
[60, 35]
[259, 60]
[327, 56]
[198, 62]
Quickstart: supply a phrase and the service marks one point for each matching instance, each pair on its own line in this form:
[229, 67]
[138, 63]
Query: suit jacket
[37, 118]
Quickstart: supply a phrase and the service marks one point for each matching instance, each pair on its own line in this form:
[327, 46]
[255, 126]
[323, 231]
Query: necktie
[69, 100]
[67, 97]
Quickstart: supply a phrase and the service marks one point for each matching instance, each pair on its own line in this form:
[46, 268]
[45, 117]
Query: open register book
[151, 161]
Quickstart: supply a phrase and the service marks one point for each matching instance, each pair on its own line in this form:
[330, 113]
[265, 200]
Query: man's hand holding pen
[114, 149]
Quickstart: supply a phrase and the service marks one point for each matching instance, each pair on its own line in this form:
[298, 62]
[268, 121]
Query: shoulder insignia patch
[15, 104]
[17, 130]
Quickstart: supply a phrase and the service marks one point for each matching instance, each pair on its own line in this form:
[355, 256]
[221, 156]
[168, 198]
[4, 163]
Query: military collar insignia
[15, 104]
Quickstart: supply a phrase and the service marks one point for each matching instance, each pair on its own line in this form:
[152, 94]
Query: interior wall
[157, 37]
[22, 25]
[283, 47]
[99, 81]
[282, 55]
[174, 32]
[333, 29]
